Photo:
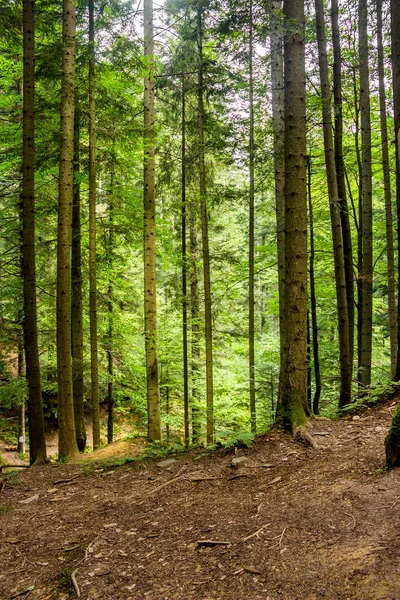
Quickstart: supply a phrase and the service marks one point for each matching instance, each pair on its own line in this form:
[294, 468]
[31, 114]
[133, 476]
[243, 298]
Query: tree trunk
[76, 298]
[67, 447]
[94, 360]
[21, 448]
[293, 410]
[366, 202]
[251, 231]
[278, 124]
[334, 206]
[37, 443]
[204, 230]
[150, 314]
[110, 309]
[314, 326]
[388, 196]
[340, 172]
[195, 326]
[184, 271]
[395, 19]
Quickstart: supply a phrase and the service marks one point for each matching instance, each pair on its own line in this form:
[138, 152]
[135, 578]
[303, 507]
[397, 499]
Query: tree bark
[150, 314]
[293, 411]
[388, 195]
[195, 327]
[340, 171]
[278, 125]
[204, 231]
[334, 206]
[110, 309]
[21, 447]
[76, 298]
[395, 20]
[366, 274]
[252, 387]
[37, 443]
[314, 325]
[94, 359]
[67, 447]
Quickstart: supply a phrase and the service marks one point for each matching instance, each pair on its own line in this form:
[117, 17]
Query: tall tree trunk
[76, 298]
[204, 231]
[392, 441]
[366, 201]
[278, 124]
[195, 327]
[293, 410]
[67, 447]
[150, 314]
[37, 443]
[340, 171]
[334, 206]
[184, 271]
[94, 359]
[110, 309]
[388, 195]
[313, 297]
[251, 231]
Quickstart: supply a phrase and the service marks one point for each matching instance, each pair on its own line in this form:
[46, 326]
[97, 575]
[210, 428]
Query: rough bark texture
[334, 207]
[204, 236]
[388, 195]
[21, 447]
[366, 203]
[184, 271]
[110, 309]
[37, 444]
[278, 124]
[76, 299]
[94, 361]
[251, 231]
[340, 171]
[195, 327]
[395, 19]
[150, 314]
[313, 298]
[293, 410]
[67, 446]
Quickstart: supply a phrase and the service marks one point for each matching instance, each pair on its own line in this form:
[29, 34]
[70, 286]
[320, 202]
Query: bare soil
[292, 522]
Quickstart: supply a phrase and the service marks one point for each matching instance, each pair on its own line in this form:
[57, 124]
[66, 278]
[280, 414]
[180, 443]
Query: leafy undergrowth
[284, 521]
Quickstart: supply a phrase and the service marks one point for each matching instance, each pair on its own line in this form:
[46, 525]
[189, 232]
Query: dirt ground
[290, 523]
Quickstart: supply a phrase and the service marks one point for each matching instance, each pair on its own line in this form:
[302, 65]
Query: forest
[198, 225]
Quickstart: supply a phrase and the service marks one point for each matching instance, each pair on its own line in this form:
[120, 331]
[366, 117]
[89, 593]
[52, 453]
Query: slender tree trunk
[37, 443]
[395, 20]
[366, 195]
[388, 195]
[293, 410]
[110, 309]
[21, 408]
[204, 230]
[195, 326]
[340, 172]
[392, 441]
[335, 209]
[67, 447]
[184, 271]
[94, 359]
[251, 231]
[313, 297]
[150, 314]
[278, 123]
[76, 298]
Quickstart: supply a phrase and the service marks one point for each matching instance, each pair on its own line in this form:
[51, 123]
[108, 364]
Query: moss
[392, 442]
[5, 509]
[65, 583]
[292, 413]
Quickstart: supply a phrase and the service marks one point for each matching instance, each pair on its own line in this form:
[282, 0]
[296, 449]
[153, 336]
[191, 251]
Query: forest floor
[290, 522]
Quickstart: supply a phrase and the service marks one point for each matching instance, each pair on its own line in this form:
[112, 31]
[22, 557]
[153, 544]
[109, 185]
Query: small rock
[239, 460]
[356, 418]
[166, 463]
[30, 499]
[378, 428]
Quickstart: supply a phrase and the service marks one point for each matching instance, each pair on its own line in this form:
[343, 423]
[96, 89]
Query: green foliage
[65, 582]
[14, 393]
[228, 439]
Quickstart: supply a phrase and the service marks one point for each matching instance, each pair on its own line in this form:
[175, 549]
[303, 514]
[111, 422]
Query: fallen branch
[27, 591]
[75, 583]
[163, 485]
[65, 480]
[254, 534]
[213, 543]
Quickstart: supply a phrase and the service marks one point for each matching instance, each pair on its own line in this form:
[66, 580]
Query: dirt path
[291, 523]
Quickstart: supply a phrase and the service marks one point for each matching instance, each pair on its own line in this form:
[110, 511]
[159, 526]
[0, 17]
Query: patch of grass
[5, 509]
[65, 582]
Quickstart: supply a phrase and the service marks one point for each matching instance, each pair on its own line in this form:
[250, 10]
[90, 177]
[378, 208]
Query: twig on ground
[24, 592]
[281, 538]
[75, 583]
[254, 534]
[89, 547]
[353, 522]
[65, 480]
[213, 543]
[163, 485]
